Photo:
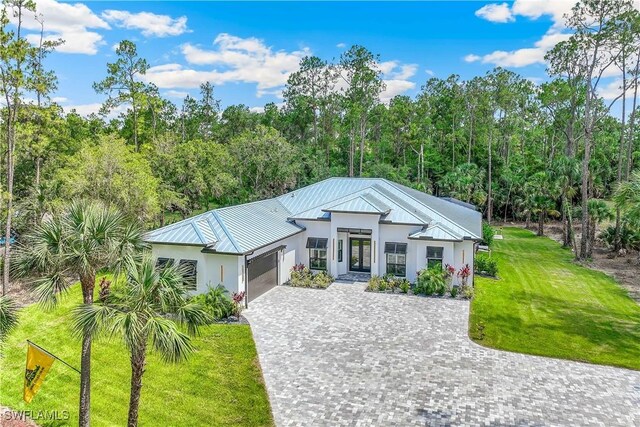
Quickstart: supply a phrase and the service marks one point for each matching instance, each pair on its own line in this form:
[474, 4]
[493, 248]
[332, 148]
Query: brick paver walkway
[347, 357]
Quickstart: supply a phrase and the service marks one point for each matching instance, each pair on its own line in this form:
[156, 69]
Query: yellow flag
[38, 364]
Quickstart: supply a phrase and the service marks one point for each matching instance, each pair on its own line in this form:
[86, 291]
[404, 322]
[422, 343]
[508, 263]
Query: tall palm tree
[8, 316]
[75, 245]
[147, 310]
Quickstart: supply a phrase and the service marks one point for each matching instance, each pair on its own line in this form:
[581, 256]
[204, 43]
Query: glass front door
[360, 254]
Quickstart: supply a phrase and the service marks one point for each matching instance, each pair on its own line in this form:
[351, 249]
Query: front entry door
[360, 254]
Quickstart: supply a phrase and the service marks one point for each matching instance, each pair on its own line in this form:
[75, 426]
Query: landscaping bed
[303, 277]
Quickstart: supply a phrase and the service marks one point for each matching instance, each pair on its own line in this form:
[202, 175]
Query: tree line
[516, 149]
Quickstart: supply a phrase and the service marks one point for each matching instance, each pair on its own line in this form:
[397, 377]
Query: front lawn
[546, 304]
[220, 384]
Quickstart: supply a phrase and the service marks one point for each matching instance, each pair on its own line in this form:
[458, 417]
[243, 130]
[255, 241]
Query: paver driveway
[348, 357]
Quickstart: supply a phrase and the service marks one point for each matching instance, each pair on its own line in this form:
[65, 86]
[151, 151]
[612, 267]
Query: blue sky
[248, 49]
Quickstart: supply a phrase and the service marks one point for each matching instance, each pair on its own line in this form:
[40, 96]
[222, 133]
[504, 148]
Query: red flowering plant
[238, 303]
[298, 268]
[464, 274]
[449, 270]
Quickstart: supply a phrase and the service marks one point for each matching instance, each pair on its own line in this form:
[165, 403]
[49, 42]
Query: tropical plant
[628, 238]
[463, 274]
[486, 265]
[8, 316]
[216, 301]
[627, 198]
[71, 246]
[598, 213]
[145, 313]
[404, 286]
[433, 280]
[487, 234]
[321, 280]
[238, 303]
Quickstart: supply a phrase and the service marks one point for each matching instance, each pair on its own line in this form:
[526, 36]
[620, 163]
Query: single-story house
[339, 225]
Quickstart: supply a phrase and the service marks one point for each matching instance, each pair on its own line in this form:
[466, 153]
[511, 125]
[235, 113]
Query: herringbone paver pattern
[346, 357]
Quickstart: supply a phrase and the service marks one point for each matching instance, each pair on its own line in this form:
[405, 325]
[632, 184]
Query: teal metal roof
[364, 203]
[436, 232]
[244, 228]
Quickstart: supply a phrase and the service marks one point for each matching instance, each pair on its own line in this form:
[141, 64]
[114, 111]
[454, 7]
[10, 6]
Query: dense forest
[516, 149]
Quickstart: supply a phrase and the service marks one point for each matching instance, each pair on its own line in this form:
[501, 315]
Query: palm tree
[75, 245]
[598, 212]
[8, 316]
[145, 311]
[542, 191]
[627, 197]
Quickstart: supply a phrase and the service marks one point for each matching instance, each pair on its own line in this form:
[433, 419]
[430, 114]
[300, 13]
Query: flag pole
[52, 355]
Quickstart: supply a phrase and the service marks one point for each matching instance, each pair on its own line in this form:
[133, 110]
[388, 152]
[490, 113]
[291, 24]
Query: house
[340, 225]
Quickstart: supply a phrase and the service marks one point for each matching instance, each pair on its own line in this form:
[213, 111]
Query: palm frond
[93, 319]
[49, 288]
[193, 316]
[172, 345]
[8, 316]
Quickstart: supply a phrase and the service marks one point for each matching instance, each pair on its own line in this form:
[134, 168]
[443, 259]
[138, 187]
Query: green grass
[546, 304]
[220, 385]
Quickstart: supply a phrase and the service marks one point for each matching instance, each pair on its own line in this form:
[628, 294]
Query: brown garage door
[263, 275]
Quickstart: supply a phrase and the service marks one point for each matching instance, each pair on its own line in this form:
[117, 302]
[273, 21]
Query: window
[396, 258]
[340, 250]
[317, 253]
[318, 259]
[434, 256]
[189, 268]
[163, 262]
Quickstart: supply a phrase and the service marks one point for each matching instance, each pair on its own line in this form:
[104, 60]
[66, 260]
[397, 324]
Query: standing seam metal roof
[244, 228]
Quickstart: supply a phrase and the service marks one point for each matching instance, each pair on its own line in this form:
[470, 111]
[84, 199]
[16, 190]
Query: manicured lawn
[547, 305]
[221, 384]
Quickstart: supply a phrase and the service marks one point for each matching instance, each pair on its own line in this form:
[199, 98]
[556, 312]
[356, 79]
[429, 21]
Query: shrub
[418, 289]
[487, 234]
[322, 280]
[454, 291]
[301, 277]
[486, 265]
[466, 291]
[375, 283]
[216, 302]
[404, 286]
[629, 238]
[433, 280]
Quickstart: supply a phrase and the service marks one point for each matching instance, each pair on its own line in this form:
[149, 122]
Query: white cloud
[69, 22]
[613, 90]
[395, 87]
[430, 72]
[150, 24]
[495, 12]
[233, 59]
[521, 57]
[59, 99]
[341, 45]
[472, 58]
[396, 79]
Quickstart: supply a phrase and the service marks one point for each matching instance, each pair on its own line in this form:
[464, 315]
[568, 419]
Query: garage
[263, 274]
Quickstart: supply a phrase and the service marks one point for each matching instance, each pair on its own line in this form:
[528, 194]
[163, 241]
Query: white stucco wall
[208, 268]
